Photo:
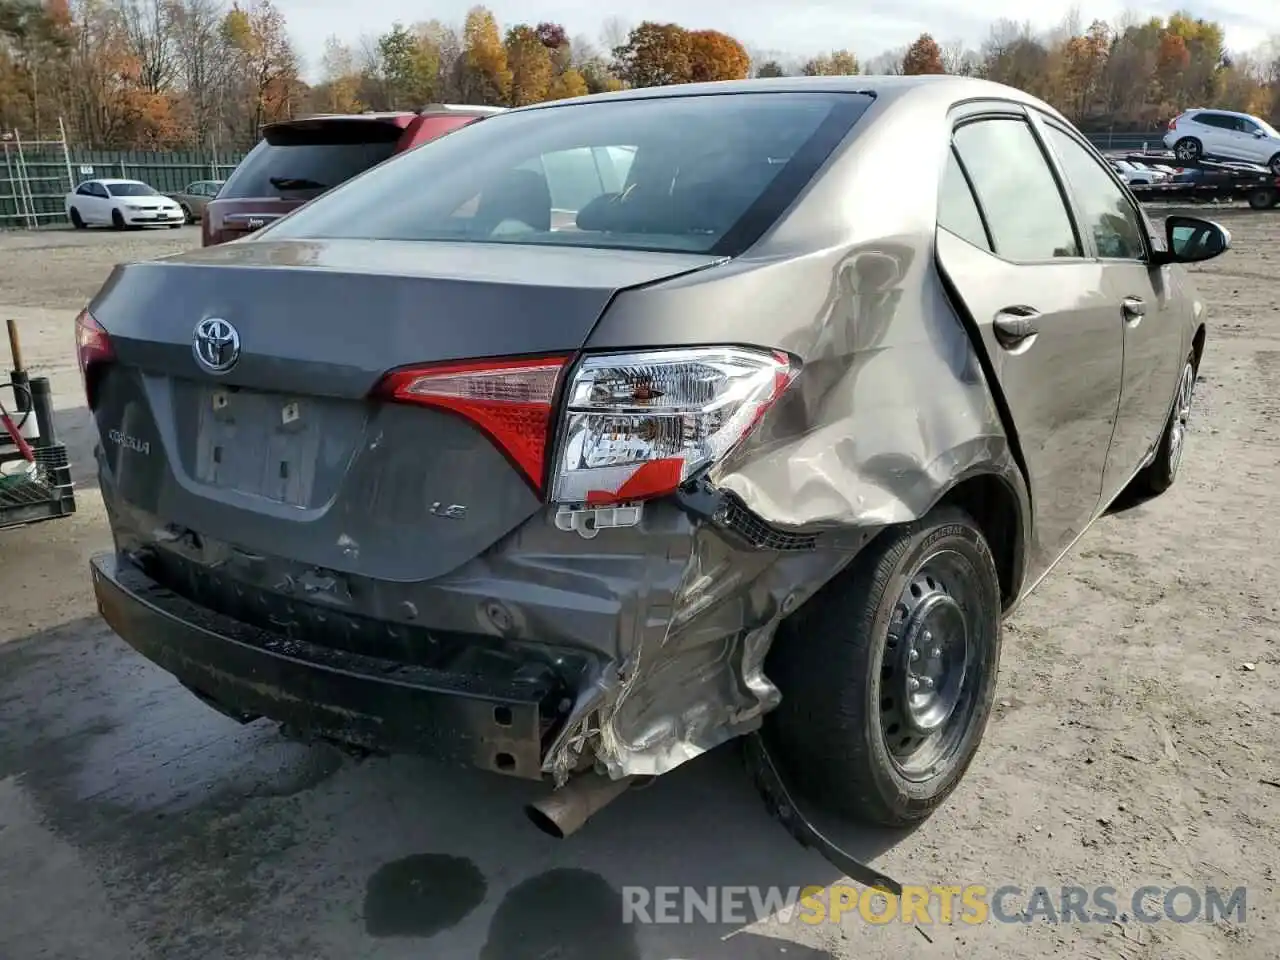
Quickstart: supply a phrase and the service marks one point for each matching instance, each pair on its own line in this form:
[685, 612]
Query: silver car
[590, 437]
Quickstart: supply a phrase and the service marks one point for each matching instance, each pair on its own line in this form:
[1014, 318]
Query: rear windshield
[303, 162]
[705, 174]
[131, 190]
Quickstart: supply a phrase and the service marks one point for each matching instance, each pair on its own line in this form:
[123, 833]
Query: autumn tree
[265, 68]
[570, 83]
[923, 56]
[484, 75]
[339, 92]
[203, 68]
[655, 54]
[529, 60]
[838, 63]
[716, 56]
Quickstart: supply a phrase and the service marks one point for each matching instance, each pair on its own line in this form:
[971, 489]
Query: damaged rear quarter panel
[891, 410]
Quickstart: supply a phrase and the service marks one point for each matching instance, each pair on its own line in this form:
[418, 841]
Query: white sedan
[121, 203]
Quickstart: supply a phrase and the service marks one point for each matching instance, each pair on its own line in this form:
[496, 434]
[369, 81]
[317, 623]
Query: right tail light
[635, 426]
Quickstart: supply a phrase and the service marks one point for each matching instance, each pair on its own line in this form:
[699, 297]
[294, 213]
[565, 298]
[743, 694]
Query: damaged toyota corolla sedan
[593, 436]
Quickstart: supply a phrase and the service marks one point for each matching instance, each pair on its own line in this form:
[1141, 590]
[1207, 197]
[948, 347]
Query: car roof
[881, 87]
[110, 180]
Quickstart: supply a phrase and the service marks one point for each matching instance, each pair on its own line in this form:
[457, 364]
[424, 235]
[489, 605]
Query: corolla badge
[216, 345]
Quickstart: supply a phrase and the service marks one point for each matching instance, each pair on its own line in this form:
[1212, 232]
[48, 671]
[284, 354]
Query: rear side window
[1105, 210]
[1214, 120]
[1017, 190]
[957, 210]
[703, 173]
[303, 163]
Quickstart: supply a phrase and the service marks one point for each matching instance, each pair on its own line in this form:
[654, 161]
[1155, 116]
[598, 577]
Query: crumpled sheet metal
[871, 450]
[891, 409]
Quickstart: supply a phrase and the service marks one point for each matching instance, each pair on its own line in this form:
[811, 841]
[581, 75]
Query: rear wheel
[1188, 148]
[888, 678]
[77, 221]
[1158, 476]
[117, 220]
[1264, 198]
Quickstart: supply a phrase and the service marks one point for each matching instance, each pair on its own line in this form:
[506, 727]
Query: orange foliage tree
[716, 56]
[923, 56]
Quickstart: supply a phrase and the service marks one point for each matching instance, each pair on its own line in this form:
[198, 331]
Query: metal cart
[35, 472]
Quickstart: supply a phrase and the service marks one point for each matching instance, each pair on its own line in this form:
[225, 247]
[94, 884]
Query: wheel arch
[1000, 507]
[1197, 345]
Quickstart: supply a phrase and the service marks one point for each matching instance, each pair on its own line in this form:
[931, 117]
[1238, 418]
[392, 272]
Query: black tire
[1274, 164]
[77, 221]
[117, 220]
[1158, 476]
[840, 663]
[1264, 198]
[186, 214]
[1188, 148]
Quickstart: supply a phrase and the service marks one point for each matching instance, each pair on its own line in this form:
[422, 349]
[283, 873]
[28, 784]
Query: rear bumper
[495, 718]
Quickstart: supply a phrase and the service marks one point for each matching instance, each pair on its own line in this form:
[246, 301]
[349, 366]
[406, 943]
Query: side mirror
[1259, 133]
[1191, 240]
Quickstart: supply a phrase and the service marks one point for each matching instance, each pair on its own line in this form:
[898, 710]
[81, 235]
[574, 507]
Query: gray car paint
[899, 405]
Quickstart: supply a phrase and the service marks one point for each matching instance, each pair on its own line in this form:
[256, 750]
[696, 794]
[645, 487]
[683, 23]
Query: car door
[98, 206]
[1011, 251]
[1148, 316]
[83, 201]
[1254, 144]
[1221, 137]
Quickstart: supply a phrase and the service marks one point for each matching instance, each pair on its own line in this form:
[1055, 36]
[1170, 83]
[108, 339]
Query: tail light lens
[93, 348]
[637, 425]
[1173, 124]
[509, 400]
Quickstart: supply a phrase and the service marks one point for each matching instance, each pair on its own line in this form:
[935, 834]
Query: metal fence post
[66, 155]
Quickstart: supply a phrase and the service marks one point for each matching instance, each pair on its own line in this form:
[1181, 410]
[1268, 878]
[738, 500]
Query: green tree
[655, 54]
[409, 67]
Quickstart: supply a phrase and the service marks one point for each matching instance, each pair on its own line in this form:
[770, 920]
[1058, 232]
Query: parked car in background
[1224, 134]
[195, 197]
[297, 160]
[774, 424]
[1138, 174]
[120, 204]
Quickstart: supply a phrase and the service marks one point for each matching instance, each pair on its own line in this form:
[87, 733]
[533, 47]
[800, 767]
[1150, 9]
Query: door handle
[1134, 309]
[1016, 326]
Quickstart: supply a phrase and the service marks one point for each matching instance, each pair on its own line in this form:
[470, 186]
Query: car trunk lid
[286, 452]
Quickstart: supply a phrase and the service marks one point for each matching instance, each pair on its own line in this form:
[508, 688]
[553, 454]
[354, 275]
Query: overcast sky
[801, 27]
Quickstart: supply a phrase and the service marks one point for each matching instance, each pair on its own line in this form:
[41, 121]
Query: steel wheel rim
[1181, 416]
[927, 689]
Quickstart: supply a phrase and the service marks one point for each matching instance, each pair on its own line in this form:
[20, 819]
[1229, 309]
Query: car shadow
[205, 826]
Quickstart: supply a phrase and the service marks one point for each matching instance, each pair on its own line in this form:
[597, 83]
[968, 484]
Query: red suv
[297, 160]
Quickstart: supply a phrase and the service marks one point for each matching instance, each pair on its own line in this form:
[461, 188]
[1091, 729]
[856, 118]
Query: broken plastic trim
[702, 501]
[778, 798]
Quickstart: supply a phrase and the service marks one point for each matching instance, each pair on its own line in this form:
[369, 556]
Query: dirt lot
[1132, 745]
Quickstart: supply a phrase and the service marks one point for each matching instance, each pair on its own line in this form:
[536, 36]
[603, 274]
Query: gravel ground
[1135, 742]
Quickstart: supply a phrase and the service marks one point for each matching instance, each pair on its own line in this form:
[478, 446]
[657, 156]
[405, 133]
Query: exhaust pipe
[563, 812]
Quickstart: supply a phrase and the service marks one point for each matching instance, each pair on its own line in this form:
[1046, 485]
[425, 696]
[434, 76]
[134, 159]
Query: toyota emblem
[216, 345]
